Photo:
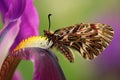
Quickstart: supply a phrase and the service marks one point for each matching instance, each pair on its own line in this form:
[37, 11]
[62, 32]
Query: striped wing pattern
[88, 39]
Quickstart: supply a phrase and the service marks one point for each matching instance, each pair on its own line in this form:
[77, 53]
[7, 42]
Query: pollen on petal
[34, 41]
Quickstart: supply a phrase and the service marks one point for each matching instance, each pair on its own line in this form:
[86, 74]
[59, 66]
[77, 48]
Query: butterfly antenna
[49, 21]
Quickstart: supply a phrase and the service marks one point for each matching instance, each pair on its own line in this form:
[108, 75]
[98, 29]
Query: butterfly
[89, 39]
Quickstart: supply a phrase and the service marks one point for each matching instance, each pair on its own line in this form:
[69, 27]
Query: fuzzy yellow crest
[34, 41]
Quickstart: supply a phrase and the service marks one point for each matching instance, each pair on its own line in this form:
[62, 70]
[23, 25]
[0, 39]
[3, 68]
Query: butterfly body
[88, 39]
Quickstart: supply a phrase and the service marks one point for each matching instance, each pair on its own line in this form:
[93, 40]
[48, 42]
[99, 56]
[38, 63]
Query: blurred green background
[66, 13]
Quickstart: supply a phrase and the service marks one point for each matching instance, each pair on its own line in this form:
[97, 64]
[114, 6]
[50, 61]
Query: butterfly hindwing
[66, 52]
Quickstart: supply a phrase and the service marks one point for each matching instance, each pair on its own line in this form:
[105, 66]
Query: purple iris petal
[45, 63]
[16, 76]
[7, 38]
[16, 9]
[11, 27]
[12, 9]
[4, 6]
[29, 23]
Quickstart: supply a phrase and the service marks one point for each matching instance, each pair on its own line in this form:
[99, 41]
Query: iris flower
[19, 40]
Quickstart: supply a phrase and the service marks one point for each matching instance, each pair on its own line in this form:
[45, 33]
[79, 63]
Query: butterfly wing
[66, 52]
[91, 39]
[88, 39]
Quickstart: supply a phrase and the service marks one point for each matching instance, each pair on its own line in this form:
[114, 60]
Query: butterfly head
[48, 34]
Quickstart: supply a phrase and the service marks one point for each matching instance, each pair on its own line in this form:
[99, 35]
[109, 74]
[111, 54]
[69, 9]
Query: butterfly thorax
[57, 39]
[51, 37]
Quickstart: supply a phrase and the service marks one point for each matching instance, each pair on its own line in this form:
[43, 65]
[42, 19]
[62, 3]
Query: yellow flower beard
[34, 41]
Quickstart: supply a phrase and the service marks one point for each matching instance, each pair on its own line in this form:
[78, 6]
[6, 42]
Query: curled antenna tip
[49, 21]
[49, 14]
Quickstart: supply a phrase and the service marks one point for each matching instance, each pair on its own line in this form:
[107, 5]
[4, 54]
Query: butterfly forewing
[88, 39]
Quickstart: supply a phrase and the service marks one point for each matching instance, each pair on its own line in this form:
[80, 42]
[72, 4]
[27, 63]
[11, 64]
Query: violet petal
[11, 28]
[29, 23]
[15, 10]
[46, 66]
[4, 6]
[7, 37]
[17, 76]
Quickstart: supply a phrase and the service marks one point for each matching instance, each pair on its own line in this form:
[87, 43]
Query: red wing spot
[94, 27]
